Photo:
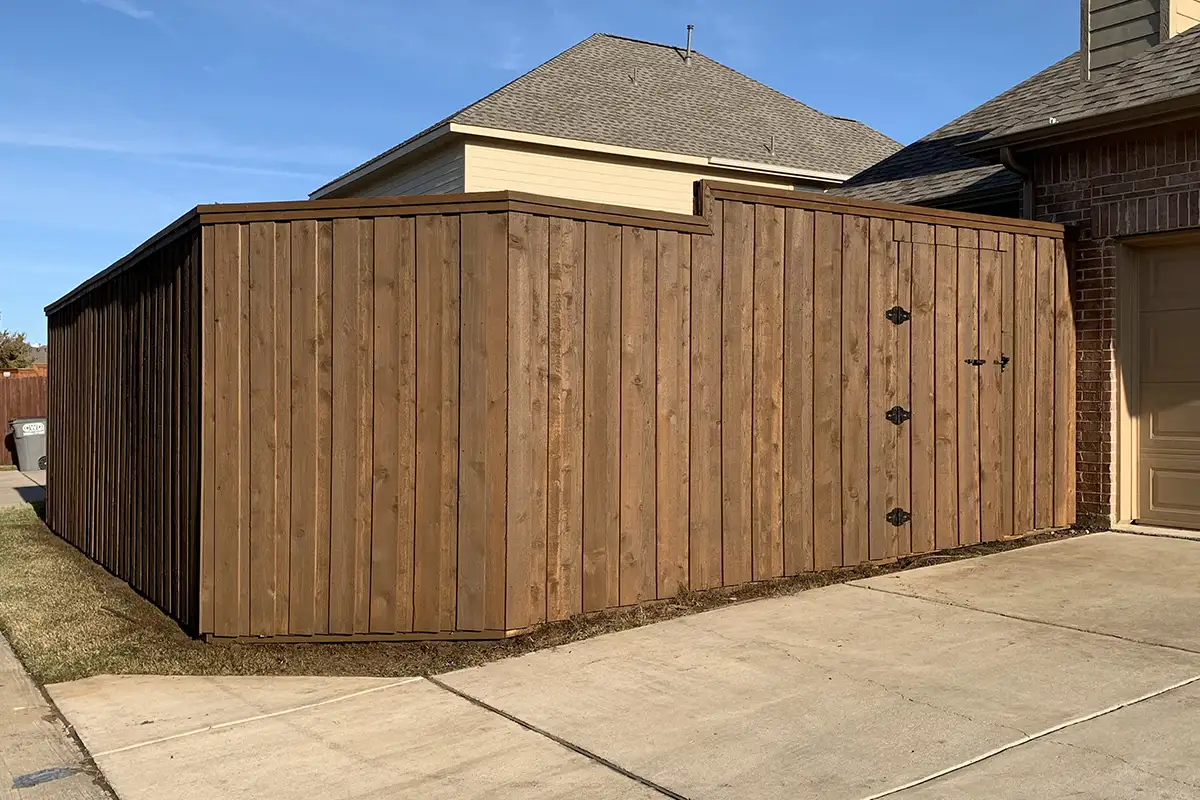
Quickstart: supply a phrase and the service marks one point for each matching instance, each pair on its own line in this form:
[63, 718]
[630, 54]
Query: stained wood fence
[19, 397]
[462, 416]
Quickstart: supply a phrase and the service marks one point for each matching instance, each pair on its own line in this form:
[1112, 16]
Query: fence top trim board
[542, 205]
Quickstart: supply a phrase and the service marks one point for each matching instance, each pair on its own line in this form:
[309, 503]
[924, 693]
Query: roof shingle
[933, 168]
[612, 90]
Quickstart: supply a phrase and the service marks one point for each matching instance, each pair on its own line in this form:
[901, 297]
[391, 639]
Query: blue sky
[116, 116]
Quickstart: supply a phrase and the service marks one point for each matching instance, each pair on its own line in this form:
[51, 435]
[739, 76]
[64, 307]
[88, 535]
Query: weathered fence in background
[464, 415]
[19, 397]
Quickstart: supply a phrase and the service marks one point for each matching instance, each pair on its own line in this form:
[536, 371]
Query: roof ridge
[643, 41]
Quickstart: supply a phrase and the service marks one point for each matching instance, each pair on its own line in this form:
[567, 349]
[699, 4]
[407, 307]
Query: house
[1106, 141]
[626, 122]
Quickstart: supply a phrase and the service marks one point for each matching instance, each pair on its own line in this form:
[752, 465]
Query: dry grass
[68, 618]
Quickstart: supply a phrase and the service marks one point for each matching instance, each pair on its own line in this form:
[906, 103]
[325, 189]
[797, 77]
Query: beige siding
[595, 177]
[1185, 15]
[437, 172]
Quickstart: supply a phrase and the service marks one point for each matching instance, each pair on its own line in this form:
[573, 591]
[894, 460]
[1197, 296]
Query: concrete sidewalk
[1070, 668]
[38, 756]
[18, 488]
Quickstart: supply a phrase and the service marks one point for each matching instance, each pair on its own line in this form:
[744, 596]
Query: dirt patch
[67, 618]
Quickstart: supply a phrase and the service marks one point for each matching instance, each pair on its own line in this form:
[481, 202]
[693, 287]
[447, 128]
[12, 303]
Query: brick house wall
[1136, 183]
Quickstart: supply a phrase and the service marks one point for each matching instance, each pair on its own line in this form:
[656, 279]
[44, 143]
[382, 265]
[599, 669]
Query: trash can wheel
[42, 463]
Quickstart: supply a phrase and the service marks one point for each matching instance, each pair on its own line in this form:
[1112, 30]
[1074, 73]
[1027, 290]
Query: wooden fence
[123, 443]
[19, 397]
[461, 416]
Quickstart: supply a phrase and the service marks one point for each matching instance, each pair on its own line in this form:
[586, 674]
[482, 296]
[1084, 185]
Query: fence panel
[24, 396]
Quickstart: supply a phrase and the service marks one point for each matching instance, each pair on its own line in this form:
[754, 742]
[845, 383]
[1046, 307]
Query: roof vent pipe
[687, 57]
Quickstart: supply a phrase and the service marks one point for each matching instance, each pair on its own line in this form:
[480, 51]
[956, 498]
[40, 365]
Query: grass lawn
[67, 618]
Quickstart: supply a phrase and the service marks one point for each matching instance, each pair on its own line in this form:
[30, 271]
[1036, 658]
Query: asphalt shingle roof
[1168, 70]
[933, 168]
[612, 90]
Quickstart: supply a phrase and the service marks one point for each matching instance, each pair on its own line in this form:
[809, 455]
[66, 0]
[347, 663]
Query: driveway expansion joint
[1019, 618]
[569, 745]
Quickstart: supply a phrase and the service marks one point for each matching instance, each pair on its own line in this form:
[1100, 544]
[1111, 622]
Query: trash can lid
[15, 420]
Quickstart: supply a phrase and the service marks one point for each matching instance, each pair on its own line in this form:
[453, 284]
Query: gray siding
[438, 172]
[1117, 30]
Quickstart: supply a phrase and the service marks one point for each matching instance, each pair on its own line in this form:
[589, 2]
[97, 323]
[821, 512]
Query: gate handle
[1003, 362]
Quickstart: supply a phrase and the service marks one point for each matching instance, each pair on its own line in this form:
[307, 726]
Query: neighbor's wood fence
[19, 397]
[462, 416]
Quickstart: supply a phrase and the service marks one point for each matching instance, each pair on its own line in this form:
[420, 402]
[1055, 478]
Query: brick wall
[1137, 183]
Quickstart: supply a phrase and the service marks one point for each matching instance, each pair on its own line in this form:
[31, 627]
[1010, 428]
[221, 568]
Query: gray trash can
[29, 438]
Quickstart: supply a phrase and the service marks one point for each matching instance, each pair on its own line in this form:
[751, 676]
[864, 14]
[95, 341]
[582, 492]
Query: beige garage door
[1169, 336]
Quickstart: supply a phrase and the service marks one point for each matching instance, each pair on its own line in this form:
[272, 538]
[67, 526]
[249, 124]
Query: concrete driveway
[18, 488]
[1070, 668]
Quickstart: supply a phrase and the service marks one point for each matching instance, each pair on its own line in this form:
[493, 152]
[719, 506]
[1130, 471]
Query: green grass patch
[67, 618]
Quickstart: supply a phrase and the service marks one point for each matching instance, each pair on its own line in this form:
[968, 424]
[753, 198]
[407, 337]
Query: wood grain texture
[904, 493]
[705, 518]
[437, 326]
[263, 441]
[394, 432]
[991, 409]
[674, 360]
[1007, 393]
[827, 391]
[855, 406]
[883, 344]
[564, 501]
[638, 424]
[767, 412]
[1043, 422]
[798, 393]
[946, 363]
[923, 361]
[737, 392]
[1024, 372]
[281, 419]
[968, 387]
[483, 423]
[528, 355]
[602, 417]
[1065, 368]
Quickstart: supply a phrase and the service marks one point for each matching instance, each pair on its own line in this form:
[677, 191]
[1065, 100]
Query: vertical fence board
[1024, 371]
[1064, 391]
[528, 354]
[968, 387]
[991, 410]
[882, 346]
[827, 391]
[798, 393]
[946, 362]
[263, 441]
[483, 456]
[855, 407]
[737, 377]
[673, 362]
[1006, 420]
[395, 429]
[705, 517]
[638, 301]
[767, 407]
[602, 417]
[282, 421]
[437, 326]
[904, 388]
[1043, 423]
[564, 501]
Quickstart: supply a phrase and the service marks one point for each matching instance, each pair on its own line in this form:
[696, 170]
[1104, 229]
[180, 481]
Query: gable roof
[934, 168]
[625, 92]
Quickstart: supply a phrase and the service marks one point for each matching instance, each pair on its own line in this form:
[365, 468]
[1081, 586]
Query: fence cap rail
[542, 205]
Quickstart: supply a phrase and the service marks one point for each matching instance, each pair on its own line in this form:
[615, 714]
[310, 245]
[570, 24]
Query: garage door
[1169, 336]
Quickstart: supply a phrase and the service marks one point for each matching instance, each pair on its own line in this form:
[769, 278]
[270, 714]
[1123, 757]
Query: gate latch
[898, 517]
[1003, 362]
[898, 415]
[898, 315]
[975, 362]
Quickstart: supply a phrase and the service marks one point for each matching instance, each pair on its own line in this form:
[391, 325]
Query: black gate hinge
[975, 362]
[898, 517]
[898, 415]
[897, 315]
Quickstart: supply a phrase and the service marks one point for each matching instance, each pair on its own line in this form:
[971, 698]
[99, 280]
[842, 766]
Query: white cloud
[122, 7]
